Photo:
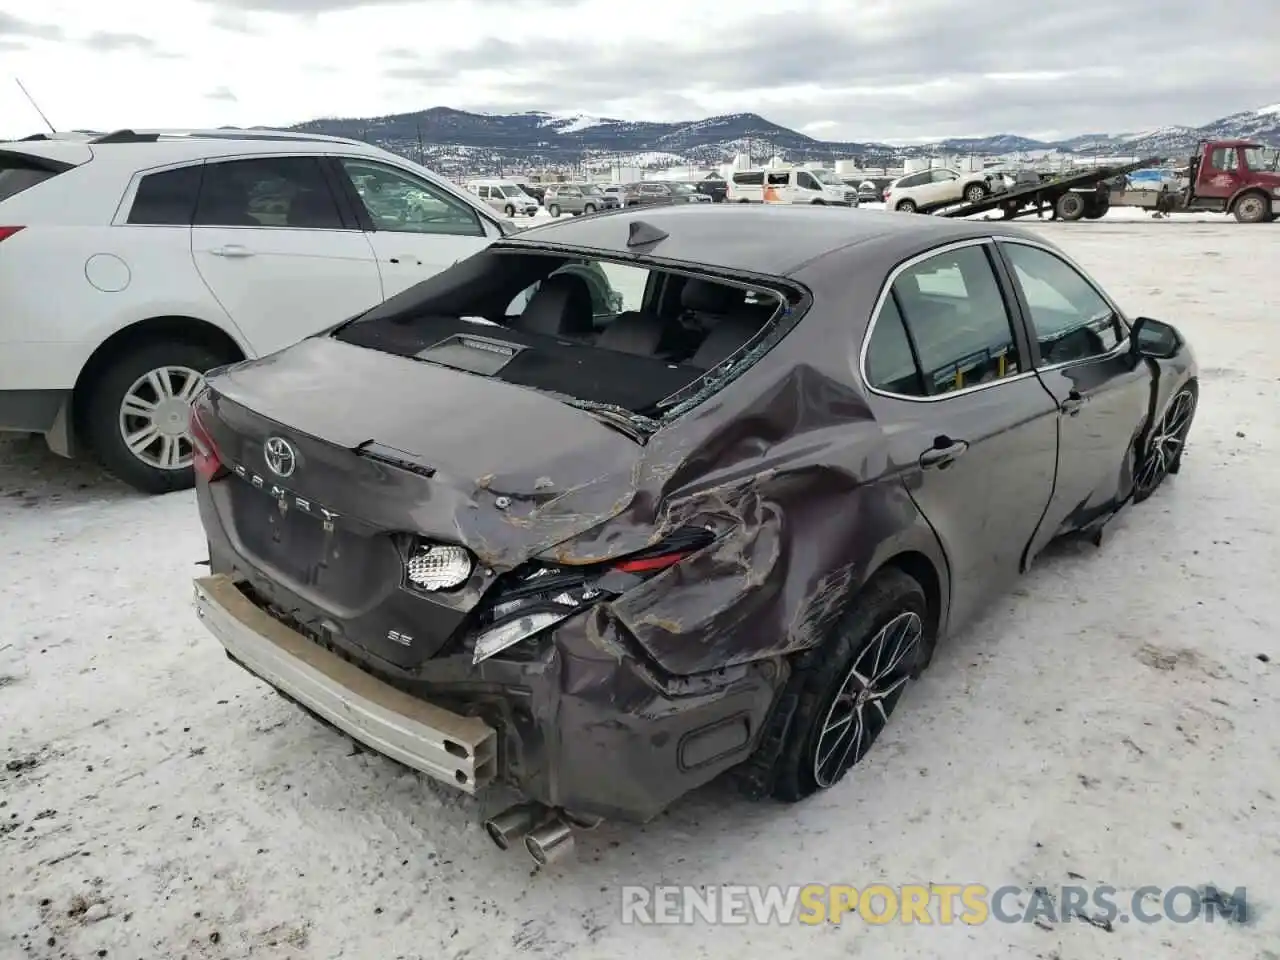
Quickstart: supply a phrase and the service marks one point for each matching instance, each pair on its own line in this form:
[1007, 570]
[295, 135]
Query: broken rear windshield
[636, 338]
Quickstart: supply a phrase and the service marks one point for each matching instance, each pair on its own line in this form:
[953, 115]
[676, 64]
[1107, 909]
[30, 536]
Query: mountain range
[455, 141]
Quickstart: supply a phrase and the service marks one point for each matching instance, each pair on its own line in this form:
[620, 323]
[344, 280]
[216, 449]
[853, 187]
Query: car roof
[155, 146]
[770, 240]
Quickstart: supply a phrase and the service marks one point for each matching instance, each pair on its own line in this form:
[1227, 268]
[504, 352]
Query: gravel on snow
[1116, 718]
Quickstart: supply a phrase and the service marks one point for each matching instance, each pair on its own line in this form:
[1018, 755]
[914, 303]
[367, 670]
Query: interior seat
[633, 332]
[726, 336]
[721, 310]
[561, 307]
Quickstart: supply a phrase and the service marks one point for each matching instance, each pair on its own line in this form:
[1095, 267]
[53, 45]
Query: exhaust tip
[513, 823]
[496, 835]
[550, 843]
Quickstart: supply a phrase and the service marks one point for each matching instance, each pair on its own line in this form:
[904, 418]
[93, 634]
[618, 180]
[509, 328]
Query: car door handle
[1071, 406]
[232, 250]
[405, 258]
[943, 453]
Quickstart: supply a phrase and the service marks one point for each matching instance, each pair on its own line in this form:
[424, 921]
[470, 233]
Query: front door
[974, 430]
[273, 249]
[1103, 392]
[416, 228]
[1220, 174]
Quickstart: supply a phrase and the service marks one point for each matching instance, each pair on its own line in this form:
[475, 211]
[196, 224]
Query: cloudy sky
[866, 70]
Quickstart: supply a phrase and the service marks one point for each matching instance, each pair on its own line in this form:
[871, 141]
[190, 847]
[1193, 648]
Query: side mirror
[507, 227]
[1155, 339]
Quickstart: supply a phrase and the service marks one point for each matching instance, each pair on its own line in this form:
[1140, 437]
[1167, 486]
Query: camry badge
[280, 457]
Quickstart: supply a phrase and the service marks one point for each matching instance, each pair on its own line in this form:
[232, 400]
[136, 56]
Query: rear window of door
[267, 192]
[948, 313]
[398, 202]
[1071, 320]
[167, 198]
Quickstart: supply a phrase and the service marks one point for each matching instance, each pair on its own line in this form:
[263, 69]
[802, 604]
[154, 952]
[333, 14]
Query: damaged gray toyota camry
[620, 504]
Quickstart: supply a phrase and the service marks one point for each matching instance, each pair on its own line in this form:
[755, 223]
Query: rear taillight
[7, 232]
[679, 544]
[536, 599]
[651, 564]
[205, 458]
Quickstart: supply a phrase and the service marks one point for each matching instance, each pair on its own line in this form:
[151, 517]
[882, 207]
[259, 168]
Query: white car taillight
[438, 567]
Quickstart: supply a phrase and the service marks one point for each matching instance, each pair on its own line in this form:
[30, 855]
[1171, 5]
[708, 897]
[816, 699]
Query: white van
[790, 185]
[504, 196]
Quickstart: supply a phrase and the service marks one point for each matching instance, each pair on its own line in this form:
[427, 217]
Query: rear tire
[1252, 208]
[828, 681]
[159, 374]
[975, 193]
[1070, 206]
[906, 206]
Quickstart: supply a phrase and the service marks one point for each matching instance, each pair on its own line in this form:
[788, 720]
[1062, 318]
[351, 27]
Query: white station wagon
[133, 262]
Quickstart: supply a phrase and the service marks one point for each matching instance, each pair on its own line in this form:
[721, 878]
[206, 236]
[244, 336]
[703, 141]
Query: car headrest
[726, 337]
[560, 307]
[707, 296]
[632, 332]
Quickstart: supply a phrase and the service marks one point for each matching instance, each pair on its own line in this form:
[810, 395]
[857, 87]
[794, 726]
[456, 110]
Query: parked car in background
[791, 185]
[868, 192]
[131, 263]
[931, 189]
[504, 196]
[535, 190]
[602, 560]
[649, 192]
[715, 187]
[616, 190]
[577, 199]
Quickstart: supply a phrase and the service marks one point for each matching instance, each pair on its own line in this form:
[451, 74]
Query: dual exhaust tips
[547, 835]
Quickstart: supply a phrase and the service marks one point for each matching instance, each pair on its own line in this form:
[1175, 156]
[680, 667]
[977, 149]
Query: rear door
[950, 378]
[416, 228]
[943, 187]
[1081, 351]
[273, 248]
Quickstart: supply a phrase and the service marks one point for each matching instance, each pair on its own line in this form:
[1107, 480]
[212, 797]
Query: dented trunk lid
[389, 444]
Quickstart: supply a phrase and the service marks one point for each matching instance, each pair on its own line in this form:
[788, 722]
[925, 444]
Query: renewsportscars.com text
[969, 904]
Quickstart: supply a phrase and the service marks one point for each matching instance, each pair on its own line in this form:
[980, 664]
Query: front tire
[848, 687]
[1162, 453]
[136, 413]
[975, 193]
[1252, 208]
[589, 208]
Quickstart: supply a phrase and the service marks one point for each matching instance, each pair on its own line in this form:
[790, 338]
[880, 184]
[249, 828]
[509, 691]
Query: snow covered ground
[1116, 719]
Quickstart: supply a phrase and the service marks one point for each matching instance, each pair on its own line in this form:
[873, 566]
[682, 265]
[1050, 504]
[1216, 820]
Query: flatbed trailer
[1085, 194]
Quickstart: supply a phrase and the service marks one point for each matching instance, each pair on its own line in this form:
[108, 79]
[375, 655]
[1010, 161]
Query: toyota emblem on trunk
[279, 456]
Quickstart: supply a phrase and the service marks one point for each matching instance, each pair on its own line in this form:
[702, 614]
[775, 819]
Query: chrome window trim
[1122, 347]
[886, 289]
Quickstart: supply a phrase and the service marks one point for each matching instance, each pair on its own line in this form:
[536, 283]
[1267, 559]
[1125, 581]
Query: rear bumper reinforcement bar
[458, 750]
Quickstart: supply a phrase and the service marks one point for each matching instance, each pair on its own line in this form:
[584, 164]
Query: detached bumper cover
[458, 750]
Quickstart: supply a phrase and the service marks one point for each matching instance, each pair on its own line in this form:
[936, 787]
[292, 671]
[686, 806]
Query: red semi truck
[1225, 176]
[1239, 177]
